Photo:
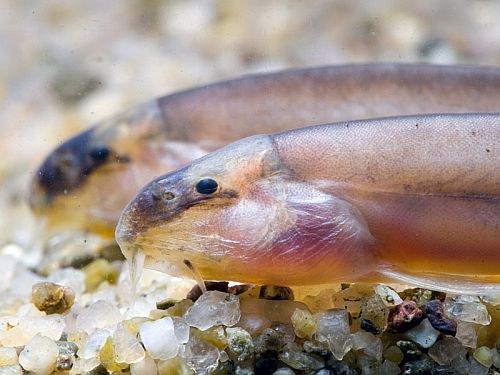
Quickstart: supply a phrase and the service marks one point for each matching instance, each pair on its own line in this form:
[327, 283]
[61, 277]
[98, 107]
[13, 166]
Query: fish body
[414, 198]
[87, 181]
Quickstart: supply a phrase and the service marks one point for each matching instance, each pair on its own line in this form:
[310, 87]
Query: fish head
[239, 214]
[87, 180]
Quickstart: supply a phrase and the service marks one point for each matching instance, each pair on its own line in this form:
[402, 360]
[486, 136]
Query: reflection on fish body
[413, 197]
[85, 183]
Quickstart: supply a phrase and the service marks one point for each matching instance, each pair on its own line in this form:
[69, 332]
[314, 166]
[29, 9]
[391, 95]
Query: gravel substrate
[93, 320]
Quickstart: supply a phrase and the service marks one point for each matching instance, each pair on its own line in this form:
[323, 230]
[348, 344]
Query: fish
[85, 183]
[413, 199]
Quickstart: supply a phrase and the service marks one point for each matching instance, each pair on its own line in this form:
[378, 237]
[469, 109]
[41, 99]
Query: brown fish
[414, 198]
[87, 181]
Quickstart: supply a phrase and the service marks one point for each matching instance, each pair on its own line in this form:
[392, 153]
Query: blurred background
[65, 65]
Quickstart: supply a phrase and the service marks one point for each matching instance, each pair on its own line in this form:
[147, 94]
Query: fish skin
[414, 196]
[75, 190]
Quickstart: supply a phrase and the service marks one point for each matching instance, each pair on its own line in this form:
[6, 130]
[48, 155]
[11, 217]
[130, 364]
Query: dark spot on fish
[487, 150]
[473, 133]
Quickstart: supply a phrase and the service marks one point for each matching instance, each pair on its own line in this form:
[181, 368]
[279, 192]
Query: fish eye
[99, 153]
[206, 186]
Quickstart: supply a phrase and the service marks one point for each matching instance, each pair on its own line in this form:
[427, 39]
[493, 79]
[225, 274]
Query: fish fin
[449, 283]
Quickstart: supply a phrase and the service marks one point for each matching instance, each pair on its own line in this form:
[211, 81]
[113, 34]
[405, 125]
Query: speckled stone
[52, 298]
[404, 316]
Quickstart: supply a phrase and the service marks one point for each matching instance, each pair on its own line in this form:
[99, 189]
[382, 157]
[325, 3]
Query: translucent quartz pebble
[39, 355]
[466, 334]
[94, 344]
[369, 343]
[361, 340]
[181, 329]
[484, 356]
[274, 311]
[293, 356]
[477, 368]
[323, 301]
[159, 338]
[333, 328]
[467, 309]
[201, 356]
[11, 370]
[127, 347]
[389, 368]
[214, 308]
[424, 334]
[101, 314]
[18, 333]
[285, 371]
[146, 366]
[352, 297]
[240, 343]
[303, 323]
[374, 314]
[388, 295]
[70, 277]
[254, 324]
[445, 350]
[177, 366]
[8, 356]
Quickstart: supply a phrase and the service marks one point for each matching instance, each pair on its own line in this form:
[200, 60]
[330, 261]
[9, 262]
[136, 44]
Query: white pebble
[70, 277]
[8, 356]
[11, 370]
[39, 355]
[159, 338]
[333, 328]
[389, 296]
[424, 334]
[146, 366]
[96, 340]
[127, 347]
[101, 314]
[50, 326]
[214, 308]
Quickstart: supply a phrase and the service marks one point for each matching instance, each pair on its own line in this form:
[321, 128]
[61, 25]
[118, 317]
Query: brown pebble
[52, 298]
[195, 292]
[274, 292]
[404, 317]
[439, 321]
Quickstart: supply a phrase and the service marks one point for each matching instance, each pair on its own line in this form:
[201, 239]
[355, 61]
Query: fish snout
[157, 203]
[67, 168]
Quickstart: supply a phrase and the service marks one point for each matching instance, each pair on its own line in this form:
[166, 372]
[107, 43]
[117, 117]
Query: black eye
[206, 186]
[99, 153]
